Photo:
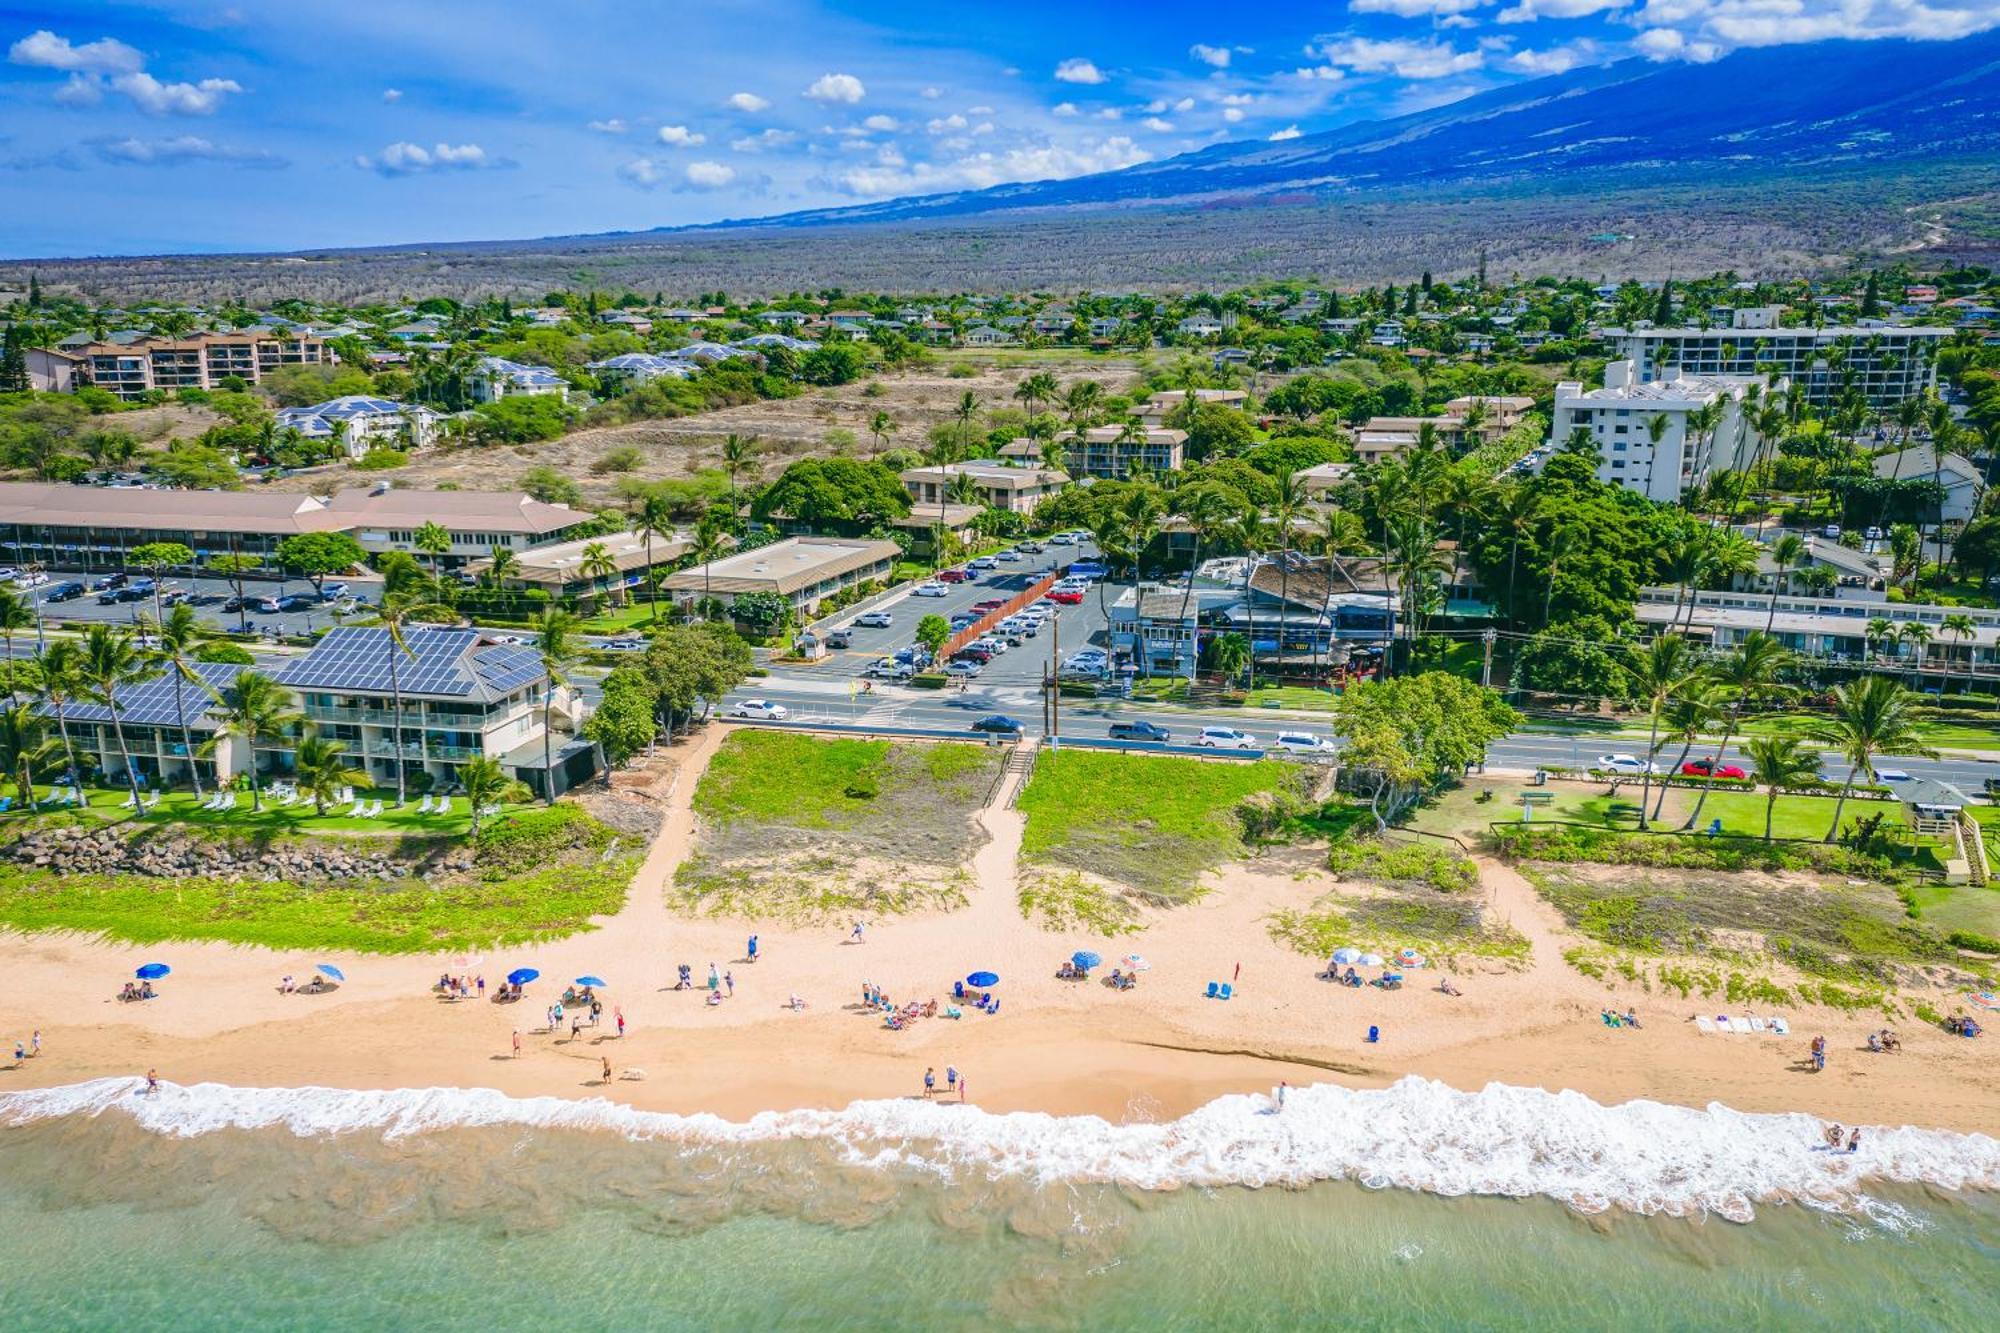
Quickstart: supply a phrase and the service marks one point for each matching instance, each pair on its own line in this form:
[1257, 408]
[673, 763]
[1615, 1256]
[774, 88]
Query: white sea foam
[1643, 1157]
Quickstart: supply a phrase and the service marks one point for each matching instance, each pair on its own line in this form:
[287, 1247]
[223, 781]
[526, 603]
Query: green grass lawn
[540, 876]
[1153, 822]
[618, 618]
[1802, 817]
[182, 808]
[810, 782]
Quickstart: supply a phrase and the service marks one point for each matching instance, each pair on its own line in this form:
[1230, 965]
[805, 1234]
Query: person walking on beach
[596, 1012]
[575, 1026]
[751, 951]
[1854, 1139]
[480, 982]
[517, 1043]
[619, 1016]
[950, 1080]
[607, 1070]
[963, 1084]
[714, 979]
[1284, 1086]
[1818, 1054]
[855, 938]
[152, 1081]
[729, 980]
[930, 1082]
[35, 1043]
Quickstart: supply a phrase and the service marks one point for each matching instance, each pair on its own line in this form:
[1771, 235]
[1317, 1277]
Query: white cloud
[1407, 59]
[749, 102]
[982, 170]
[1232, 114]
[679, 136]
[1158, 126]
[979, 111]
[1110, 113]
[184, 148]
[1322, 73]
[409, 159]
[768, 140]
[1186, 104]
[708, 175]
[1410, 9]
[1064, 108]
[946, 124]
[882, 124]
[1217, 56]
[932, 94]
[1527, 11]
[837, 88]
[1078, 70]
[392, 94]
[79, 90]
[611, 126]
[106, 55]
[1670, 44]
[174, 99]
[643, 172]
[1457, 21]
[1289, 132]
[1555, 60]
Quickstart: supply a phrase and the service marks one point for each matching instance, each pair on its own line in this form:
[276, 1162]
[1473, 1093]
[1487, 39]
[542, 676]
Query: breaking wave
[1641, 1157]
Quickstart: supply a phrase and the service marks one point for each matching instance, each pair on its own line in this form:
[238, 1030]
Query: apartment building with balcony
[199, 361]
[995, 485]
[1620, 417]
[1885, 362]
[151, 713]
[1113, 451]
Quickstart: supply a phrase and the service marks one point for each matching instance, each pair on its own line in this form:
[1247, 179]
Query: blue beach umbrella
[592, 981]
[1347, 955]
[152, 971]
[330, 970]
[521, 976]
[983, 979]
[1085, 959]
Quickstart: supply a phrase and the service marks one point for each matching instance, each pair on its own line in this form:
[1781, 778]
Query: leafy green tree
[549, 486]
[1573, 658]
[156, 558]
[694, 664]
[235, 566]
[828, 492]
[832, 363]
[521, 419]
[15, 618]
[179, 635]
[111, 663]
[1416, 731]
[1229, 655]
[60, 673]
[932, 631]
[189, 466]
[25, 746]
[321, 771]
[626, 718]
[487, 786]
[317, 556]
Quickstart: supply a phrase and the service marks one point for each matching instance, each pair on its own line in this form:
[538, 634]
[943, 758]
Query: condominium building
[1837, 628]
[1156, 409]
[463, 697]
[1620, 418]
[151, 714]
[993, 484]
[360, 423]
[496, 377]
[802, 570]
[1466, 423]
[1886, 363]
[201, 361]
[1113, 451]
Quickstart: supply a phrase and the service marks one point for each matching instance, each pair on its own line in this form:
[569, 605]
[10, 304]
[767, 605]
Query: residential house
[629, 368]
[496, 377]
[362, 423]
[985, 335]
[1962, 481]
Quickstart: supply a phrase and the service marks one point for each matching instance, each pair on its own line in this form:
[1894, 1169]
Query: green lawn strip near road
[539, 877]
[1398, 894]
[181, 807]
[1798, 817]
[804, 829]
[1152, 823]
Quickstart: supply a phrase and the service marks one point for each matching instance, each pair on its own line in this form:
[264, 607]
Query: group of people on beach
[25, 1051]
[1833, 1139]
[953, 1082]
[140, 991]
[721, 985]
[463, 988]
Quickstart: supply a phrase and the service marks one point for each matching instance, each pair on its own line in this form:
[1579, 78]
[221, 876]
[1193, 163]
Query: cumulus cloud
[1078, 70]
[107, 55]
[946, 124]
[1217, 56]
[1064, 109]
[844, 88]
[1704, 29]
[133, 151]
[1670, 44]
[768, 140]
[174, 99]
[680, 136]
[1289, 132]
[1527, 11]
[409, 159]
[611, 126]
[882, 124]
[1555, 60]
[392, 94]
[643, 172]
[1157, 125]
[1232, 114]
[983, 170]
[708, 175]
[749, 102]
[1405, 58]
[78, 90]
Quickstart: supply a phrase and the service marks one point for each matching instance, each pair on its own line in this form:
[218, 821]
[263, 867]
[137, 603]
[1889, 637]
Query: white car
[761, 708]
[932, 589]
[1226, 738]
[1062, 539]
[983, 562]
[874, 620]
[1625, 763]
[1303, 742]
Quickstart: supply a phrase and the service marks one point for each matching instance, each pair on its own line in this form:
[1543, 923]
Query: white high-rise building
[1885, 363]
[1619, 417]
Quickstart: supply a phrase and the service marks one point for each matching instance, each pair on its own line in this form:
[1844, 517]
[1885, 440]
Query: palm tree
[1229, 654]
[554, 643]
[393, 616]
[1960, 627]
[254, 708]
[433, 540]
[967, 409]
[320, 769]
[1202, 509]
[1285, 514]
[1780, 761]
[705, 547]
[1748, 675]
[1786, 555]
[1659, 673]
[652, 516]
[1914, 634]
[60, 667]
[739, 455]
[15, 618]
[1879, 632]
[881, 426]
[1870, 717]
[1656, 430]
[941, 454]
[486, 784]
[598, 564]
[24, 747]
[1517, 510]
[1250, 532]
[1689, 713]
[110, 663]
[179, 634]
[501, 565]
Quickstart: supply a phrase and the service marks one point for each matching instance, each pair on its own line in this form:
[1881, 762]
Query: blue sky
[164, 125]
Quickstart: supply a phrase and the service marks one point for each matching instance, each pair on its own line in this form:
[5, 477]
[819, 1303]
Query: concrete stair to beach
[1972, 842]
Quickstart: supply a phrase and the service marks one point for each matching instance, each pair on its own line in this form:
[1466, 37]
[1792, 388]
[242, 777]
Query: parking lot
[206, 595]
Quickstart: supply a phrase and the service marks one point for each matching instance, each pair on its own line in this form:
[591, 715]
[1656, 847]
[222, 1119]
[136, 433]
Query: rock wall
[80, 851]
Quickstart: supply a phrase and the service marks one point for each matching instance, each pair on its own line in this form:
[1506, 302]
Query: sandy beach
[1152, 1053]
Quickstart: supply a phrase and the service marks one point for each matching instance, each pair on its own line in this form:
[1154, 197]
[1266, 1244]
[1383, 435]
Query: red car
[955, 576]
[990, 604]
[1066, 597]
[1698, 768]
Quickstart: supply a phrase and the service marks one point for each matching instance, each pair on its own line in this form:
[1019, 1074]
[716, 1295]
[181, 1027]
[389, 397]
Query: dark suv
[1140, 730]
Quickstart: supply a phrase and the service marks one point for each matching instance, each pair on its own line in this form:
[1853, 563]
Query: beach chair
[1702, 1024]
[152, 800]
[424, 806]
[375, 810]
[443, 806]
[345, 795]
[1212, 992]
[1757, 1025]
[6, 804]
[1225, 992]
[131, 800]
[356, 811]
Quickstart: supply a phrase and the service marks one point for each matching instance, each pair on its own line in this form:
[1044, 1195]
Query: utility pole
[1055, 677]
[1486, 665]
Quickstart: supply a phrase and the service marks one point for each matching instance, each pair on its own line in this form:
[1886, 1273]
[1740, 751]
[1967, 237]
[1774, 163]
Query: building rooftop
[1795, 331]
[55, 505]
[783, 567]
[563, 561]
[497, 511]
[439, 664]
[166, 700]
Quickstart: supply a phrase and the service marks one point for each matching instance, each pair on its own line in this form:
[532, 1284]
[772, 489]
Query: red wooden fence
[1034, 593]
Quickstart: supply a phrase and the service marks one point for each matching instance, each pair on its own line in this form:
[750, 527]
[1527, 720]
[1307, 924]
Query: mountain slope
[1833, 103]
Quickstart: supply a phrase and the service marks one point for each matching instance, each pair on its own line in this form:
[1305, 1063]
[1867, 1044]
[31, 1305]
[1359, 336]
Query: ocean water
[1411, 1207]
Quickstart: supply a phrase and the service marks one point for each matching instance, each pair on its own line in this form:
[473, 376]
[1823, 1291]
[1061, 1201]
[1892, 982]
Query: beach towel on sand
[1704, 1024]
